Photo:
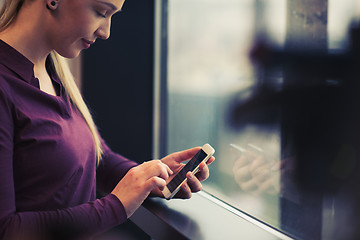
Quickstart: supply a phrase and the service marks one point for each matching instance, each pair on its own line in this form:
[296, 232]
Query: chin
[73, 54]
[70, 52]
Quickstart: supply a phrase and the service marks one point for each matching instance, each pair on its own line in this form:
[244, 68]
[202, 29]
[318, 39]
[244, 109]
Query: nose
[103, 32]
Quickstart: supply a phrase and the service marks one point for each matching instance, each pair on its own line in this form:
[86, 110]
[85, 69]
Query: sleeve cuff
[117, 208]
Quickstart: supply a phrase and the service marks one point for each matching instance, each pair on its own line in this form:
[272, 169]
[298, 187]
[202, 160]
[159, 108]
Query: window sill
[198, 218]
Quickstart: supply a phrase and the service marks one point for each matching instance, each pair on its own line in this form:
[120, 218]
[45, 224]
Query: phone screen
[189, 167]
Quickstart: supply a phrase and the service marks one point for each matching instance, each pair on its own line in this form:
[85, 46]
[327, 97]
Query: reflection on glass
[255, 172]
[209, 67]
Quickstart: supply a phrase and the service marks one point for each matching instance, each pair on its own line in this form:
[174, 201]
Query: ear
[52, 4]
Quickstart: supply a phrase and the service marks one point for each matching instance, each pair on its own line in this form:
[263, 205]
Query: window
[208, 71]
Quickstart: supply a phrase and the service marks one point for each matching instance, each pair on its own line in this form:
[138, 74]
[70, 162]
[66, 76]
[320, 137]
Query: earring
[53, 4]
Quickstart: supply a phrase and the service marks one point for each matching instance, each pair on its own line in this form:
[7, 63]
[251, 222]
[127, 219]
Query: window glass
[209, 70]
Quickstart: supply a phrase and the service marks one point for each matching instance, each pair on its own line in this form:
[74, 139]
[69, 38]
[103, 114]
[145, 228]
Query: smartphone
[192, 166]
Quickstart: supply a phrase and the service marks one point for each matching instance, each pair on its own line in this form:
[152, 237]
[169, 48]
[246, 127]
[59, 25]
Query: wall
[118, 81]
[118, 87]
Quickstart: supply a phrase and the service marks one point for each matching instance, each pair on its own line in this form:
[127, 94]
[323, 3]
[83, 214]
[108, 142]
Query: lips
[87, 43]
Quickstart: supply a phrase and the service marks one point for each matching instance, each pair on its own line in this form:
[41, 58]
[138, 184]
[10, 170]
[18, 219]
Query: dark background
[118, 81]
[117, 85]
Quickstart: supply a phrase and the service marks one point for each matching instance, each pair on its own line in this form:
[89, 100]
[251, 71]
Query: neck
[27, 35]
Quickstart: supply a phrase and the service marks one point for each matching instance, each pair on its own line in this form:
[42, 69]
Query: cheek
[82, 28]
[79, 24]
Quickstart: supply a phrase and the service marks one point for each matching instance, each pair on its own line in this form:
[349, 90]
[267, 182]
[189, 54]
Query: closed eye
[101, 14]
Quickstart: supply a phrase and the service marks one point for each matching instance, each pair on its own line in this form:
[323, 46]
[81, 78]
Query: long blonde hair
[8, 11]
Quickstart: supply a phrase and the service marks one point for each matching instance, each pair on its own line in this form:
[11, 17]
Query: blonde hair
[8, 11]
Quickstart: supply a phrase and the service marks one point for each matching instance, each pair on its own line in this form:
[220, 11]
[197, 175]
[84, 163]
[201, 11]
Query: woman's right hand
[137, 184]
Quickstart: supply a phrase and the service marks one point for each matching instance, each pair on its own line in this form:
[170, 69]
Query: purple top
[48, 173]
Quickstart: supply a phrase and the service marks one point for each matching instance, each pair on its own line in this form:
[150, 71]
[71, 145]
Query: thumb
[185, 155]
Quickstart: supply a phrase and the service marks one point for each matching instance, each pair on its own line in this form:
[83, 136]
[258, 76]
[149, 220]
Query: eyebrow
[112, 6]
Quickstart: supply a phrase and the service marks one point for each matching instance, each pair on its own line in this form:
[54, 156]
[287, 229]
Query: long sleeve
[83, 219]
[111, 169]
[48, 171]
[7, 194]
[78, 222]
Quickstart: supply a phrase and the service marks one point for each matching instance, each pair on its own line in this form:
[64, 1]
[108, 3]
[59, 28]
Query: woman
[52, 159]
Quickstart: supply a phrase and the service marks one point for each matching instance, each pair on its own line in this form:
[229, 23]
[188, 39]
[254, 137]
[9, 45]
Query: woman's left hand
[193, 183]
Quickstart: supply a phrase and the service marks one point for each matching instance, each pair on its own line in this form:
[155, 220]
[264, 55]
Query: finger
[255, 164]
[203, 172]
[159, 169]
[193, 182]
[185, 192]
[211, 160]
[248, 186]
[164, 172]
[167, 168]
[155, 182]
[240, 163]
[242, 174]
[185, 155]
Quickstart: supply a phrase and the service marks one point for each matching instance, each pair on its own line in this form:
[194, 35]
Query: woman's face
[78, 23]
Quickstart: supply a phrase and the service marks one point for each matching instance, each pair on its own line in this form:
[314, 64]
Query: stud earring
[53, 4]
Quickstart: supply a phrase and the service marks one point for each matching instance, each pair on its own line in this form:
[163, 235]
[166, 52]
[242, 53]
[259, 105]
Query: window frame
[178, 219]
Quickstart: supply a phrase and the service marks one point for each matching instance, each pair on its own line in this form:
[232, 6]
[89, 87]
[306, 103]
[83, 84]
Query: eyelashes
[101, 14]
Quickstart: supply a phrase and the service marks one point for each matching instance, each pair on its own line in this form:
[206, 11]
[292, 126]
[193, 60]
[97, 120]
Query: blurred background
[270, 84]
